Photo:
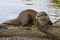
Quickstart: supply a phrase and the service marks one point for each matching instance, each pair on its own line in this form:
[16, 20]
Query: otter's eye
[45, 14]
[38, 16]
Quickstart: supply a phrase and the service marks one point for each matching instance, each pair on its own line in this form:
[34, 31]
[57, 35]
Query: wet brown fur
[25, 18]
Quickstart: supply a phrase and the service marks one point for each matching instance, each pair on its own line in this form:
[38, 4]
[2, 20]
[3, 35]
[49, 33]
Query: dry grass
[14, 31]
[21, 31]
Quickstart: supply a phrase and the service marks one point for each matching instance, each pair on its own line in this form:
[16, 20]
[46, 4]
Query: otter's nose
[37, 17]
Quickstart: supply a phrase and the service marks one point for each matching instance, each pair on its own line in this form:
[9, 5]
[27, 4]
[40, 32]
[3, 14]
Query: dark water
[10, 9]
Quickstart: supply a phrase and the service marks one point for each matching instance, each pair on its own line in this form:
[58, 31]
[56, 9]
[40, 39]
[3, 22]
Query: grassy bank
[21, 31]
[14, 31]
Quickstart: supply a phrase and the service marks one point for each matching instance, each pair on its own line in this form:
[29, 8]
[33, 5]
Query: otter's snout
[37, 17]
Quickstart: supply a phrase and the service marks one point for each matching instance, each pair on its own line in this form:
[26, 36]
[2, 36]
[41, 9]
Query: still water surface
[10, 9]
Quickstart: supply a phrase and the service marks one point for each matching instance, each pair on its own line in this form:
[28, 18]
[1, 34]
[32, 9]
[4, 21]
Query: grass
[21, 31]
[56, 3]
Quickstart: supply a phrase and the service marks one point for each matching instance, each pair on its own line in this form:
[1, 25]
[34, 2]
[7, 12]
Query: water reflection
[26, 0]
[9, 9]
[56, 3]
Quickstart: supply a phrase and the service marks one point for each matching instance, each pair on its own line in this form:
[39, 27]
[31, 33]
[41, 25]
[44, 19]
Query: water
[10, 9]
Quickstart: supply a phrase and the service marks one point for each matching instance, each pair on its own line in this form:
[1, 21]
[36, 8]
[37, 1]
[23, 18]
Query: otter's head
[42, 17]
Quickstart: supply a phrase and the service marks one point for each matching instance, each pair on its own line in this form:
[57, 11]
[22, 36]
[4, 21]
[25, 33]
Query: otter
[43, 18]
[25, 18]
[42, 22]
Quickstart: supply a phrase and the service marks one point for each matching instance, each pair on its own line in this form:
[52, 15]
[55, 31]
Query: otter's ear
[50, 23]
